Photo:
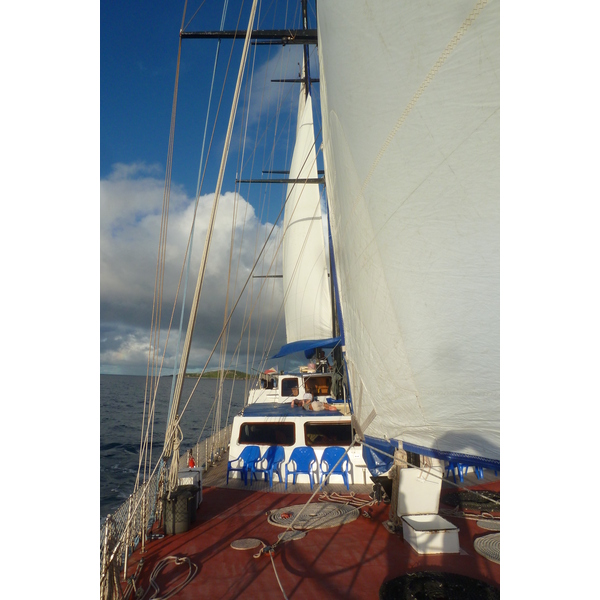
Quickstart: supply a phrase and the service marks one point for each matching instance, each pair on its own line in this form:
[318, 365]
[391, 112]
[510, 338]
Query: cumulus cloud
[130, 220]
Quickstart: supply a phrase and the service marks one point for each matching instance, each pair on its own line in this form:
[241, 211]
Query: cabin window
[268, 383]
[328, 434]
[318, 386]
[289, 386]
[271, 434]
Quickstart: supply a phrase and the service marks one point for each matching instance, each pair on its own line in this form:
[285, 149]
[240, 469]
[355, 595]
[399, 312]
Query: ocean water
[121, 410]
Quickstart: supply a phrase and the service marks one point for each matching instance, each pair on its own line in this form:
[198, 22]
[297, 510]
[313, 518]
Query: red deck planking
[349, 561]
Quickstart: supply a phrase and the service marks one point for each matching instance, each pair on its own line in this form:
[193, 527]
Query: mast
[306, 57]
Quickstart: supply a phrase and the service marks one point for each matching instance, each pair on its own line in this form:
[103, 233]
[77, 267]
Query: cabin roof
[299, 374]
[278, 409]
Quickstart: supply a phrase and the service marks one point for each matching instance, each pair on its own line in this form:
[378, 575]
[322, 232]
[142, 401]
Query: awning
[308, 346]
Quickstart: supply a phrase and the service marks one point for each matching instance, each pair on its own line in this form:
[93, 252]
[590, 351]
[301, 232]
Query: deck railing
[123, 530]
[207, 452]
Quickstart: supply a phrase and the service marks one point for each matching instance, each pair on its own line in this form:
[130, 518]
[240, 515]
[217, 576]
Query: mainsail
[411, 144]
[308, 314]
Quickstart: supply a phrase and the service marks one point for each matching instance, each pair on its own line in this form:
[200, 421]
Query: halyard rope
[277, 576]
[349, 499]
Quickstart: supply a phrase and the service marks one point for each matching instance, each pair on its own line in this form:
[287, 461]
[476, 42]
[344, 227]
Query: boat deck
[347, 561]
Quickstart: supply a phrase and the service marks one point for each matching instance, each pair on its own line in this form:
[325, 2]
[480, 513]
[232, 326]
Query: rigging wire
[282, 98]
[198, 187]
[249, 278]
[159, 276]
[243, 145]
[187, 343]
[150, 419]
[163, 246]
[154, 388]
[243, 137]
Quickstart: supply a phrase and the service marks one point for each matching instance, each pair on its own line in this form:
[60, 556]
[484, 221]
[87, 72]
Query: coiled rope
[347, 499]
[271, 549]
[192, 570]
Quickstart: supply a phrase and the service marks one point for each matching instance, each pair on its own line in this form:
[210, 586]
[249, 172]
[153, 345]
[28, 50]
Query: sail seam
[428, 79]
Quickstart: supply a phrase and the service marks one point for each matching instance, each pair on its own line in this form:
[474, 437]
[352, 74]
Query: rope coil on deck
[246, 544]
[178, 560]
[487, 524]
[348, 499]
[315, 516]
[489, 547]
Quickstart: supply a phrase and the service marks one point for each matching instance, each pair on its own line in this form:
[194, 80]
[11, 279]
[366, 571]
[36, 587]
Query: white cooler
[418, 504]
[430, 534]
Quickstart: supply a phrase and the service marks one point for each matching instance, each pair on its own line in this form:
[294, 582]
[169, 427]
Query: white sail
[411, 112]
[305, 279]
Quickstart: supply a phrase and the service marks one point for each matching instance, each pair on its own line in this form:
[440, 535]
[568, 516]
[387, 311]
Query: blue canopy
[284, 409]
[308, 346]
[380, 462]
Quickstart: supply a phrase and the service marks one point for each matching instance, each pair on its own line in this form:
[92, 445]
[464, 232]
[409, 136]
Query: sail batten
[410, 106]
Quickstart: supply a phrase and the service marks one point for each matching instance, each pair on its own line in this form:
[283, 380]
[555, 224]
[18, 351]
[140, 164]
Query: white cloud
[131, 207]
[285, 64]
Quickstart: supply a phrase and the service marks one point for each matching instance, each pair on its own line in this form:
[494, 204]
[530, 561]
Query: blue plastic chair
[304, 461]
[274, 456]
[462, 469]
[329, 464]
[244, 462]
[452, 468]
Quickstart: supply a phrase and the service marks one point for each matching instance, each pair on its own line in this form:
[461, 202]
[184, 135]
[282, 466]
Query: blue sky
[138, 53]
[138, 58]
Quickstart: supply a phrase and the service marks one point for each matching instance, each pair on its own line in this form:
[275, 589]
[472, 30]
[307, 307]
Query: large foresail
[305, 279]
[411, 112]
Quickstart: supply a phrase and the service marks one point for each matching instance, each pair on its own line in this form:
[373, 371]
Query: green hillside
[215, 375]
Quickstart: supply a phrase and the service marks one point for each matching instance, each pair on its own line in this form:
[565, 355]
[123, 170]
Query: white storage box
[192, 477]
[430, 534]
[419, 490]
